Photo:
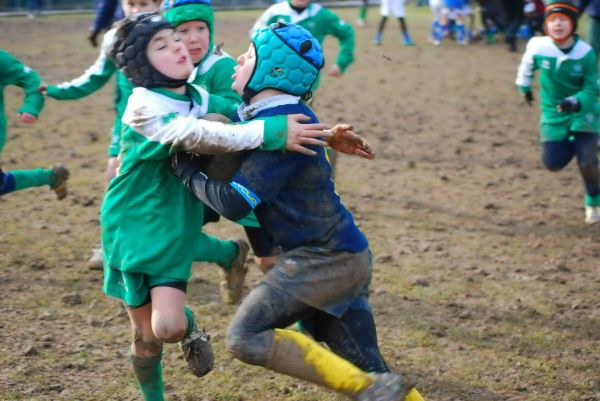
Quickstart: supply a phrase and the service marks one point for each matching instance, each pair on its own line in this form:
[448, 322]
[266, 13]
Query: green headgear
[180, 11]
[288, 58]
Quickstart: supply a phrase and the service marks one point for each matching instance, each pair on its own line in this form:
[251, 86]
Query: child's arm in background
[92, 80]
[345, 35]
[525, 72]
[14, 72]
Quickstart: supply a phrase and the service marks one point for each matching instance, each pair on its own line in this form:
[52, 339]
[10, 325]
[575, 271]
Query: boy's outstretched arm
[225, 199]
[94, 78]
[525, 73]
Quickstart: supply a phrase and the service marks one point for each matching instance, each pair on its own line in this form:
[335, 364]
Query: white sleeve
[189, 133]
[525, 72]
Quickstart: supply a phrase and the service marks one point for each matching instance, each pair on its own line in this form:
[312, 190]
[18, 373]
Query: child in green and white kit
[568, 92]
[193, 21]
[94, 78]
[13, 72]
[320, 22]
[149, 220]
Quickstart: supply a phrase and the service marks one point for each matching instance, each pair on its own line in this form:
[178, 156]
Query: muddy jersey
[297, 202]
[319, 21]
[13, 72]
[562, 75]
[149, 219]
[214, 74]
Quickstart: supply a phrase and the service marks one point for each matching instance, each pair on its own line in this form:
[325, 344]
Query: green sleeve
[93, 79]
[588, 96]
[345, 35]
[220, 83]
[275, 134]
[221, 105]
[13, 72]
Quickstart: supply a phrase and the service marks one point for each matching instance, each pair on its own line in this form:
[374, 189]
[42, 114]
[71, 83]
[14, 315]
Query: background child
[149, 220]
[362, 13]
[13, 72]
[194, 22]
[453, 10]
[320, 22]
[568, 92]
[326, 261]
[395, 8]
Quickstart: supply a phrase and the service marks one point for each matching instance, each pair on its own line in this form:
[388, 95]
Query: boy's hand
[569, 105]
[528, 96]
[181, 161]
[345, 140]
[299, 134]
[335, 71]
[43, 89]
[26, 118]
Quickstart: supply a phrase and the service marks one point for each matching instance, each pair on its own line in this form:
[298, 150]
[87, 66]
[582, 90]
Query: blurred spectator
[593, 9]
[34, 8]
[514, 19]
[108, 11]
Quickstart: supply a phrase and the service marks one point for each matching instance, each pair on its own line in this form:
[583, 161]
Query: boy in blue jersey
[326, 263]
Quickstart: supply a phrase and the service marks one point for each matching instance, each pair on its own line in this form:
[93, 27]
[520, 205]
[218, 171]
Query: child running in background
[568, 93]
[94, 78]
[326, 262]
[13, 72]
[395, 8]
[149, 220]
[320, 22]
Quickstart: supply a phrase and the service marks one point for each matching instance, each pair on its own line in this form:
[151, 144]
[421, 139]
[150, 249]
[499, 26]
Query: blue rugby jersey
[298, 203]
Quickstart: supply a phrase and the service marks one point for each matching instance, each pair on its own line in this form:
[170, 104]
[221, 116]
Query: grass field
[485, 282]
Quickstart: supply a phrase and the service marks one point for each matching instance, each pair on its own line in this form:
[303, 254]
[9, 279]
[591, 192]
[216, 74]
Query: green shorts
[134, 288]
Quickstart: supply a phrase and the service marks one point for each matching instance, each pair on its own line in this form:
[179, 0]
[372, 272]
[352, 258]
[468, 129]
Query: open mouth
[182, 60]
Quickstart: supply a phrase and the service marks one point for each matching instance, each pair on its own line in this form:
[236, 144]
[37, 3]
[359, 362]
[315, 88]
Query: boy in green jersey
[568, 93]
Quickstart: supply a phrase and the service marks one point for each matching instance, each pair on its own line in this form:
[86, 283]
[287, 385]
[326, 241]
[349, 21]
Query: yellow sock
[296, 355]
[413, 395]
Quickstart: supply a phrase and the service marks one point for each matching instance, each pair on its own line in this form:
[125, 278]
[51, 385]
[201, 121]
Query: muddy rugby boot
[232, 285]
[197, 352]
[388, 387]
[60, 185]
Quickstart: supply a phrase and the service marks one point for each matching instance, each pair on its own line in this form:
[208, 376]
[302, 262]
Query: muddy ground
[486, 277]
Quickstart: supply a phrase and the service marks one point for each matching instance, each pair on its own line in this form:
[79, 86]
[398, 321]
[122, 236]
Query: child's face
[243, 70]
[559, 27]
[167, 53]
[300, 3]
[196, 37]
[131, 7]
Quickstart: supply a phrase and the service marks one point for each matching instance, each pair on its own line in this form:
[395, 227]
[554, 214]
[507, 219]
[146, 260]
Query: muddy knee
[250, 348]
[168, 330]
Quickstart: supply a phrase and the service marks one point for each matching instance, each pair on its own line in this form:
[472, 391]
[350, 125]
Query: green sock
[190, 321]
[33, 178]
[362, 12]
[214, 250]
[148, 373]
[592, 200]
